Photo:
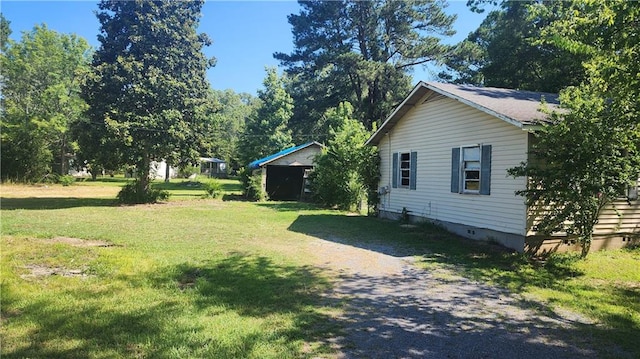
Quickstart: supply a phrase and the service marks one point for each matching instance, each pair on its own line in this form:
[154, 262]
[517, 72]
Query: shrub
[252, 185]
[347, 172]
[50, 178]
[405, 217]
[254, 189]
[134, 193]
[66, 180]
[187, 171]
[213, 189]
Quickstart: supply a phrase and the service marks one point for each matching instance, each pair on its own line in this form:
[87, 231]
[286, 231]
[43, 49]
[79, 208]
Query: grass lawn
[231, 279]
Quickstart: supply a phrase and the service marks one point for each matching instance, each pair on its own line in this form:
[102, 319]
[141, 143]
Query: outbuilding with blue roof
[284, 174]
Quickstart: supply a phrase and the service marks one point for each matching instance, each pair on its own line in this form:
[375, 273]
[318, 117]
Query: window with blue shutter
[404, 170]
[471, 169]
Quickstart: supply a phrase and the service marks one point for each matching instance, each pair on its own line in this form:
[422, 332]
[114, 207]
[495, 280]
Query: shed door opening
[284, 183]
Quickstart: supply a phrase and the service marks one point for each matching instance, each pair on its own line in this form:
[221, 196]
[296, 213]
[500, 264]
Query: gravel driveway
[396, 310]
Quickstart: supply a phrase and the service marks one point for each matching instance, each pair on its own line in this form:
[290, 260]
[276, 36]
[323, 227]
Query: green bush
[66, 180]
[188, 170]
[346, 172]
[252, 186]
[213, 189]
[134, 193]
[254, 190]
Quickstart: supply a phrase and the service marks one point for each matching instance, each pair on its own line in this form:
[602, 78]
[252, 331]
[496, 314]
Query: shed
[284, 174]
[213, 167]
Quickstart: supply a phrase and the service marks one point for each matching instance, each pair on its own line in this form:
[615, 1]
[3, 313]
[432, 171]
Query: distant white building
[159, 170]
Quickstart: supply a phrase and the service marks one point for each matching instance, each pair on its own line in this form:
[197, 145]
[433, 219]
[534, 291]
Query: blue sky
[245, 33]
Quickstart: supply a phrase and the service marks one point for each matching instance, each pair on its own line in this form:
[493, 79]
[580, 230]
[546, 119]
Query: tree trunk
[143, 172]
[585, 243]
[62, 166]
[167, 172]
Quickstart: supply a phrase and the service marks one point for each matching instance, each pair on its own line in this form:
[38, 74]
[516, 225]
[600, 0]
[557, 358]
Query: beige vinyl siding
[432, 129]
[621, 217]
[304, 157]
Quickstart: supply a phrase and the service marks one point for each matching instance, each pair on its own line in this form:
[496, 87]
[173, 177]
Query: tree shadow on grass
[56, 330]
[256, 287]
[178, 186]
[288, 206]
[285, 299]
[54, 202]
[197, 185]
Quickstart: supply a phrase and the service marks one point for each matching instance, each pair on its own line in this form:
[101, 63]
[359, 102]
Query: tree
[347, 171]
[148, 92]
[505, 52]
[229, 123]
[266, 130]
[590, 153]
[91, 153]
[5, 32]
[361, 52]
[41, 78]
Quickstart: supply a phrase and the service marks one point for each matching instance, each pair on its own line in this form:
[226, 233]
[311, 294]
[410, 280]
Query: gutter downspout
[390, 164]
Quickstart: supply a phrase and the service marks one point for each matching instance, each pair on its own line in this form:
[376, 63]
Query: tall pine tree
[148, 92]
[505, 51]
[361, 52]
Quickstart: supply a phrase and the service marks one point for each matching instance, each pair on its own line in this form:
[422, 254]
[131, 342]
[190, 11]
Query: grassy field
[82, 277]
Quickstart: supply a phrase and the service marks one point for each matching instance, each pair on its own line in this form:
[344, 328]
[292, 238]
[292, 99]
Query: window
[471, 169]
[404, 170]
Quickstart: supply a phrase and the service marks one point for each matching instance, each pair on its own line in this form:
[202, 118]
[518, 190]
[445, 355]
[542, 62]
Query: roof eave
[302, 147]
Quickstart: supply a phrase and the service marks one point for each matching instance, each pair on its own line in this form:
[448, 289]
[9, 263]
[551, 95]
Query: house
[213, 167]
[284, 173]
[445, 151]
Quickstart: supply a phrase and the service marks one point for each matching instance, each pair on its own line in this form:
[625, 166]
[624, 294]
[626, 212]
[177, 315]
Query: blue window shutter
[455, 170]
[485, 170]
[394, 172]
[412, 175]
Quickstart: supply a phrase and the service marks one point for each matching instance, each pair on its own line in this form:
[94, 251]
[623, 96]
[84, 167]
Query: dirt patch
[77, 242]
[58, 191]
[36, 271]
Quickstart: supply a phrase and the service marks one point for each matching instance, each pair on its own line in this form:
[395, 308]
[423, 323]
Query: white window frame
[463, 169]
[402, 170]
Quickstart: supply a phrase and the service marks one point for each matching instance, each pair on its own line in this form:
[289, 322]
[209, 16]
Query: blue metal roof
[259, 163]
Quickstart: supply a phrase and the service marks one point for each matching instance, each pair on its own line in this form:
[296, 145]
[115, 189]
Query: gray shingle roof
[520, 108]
